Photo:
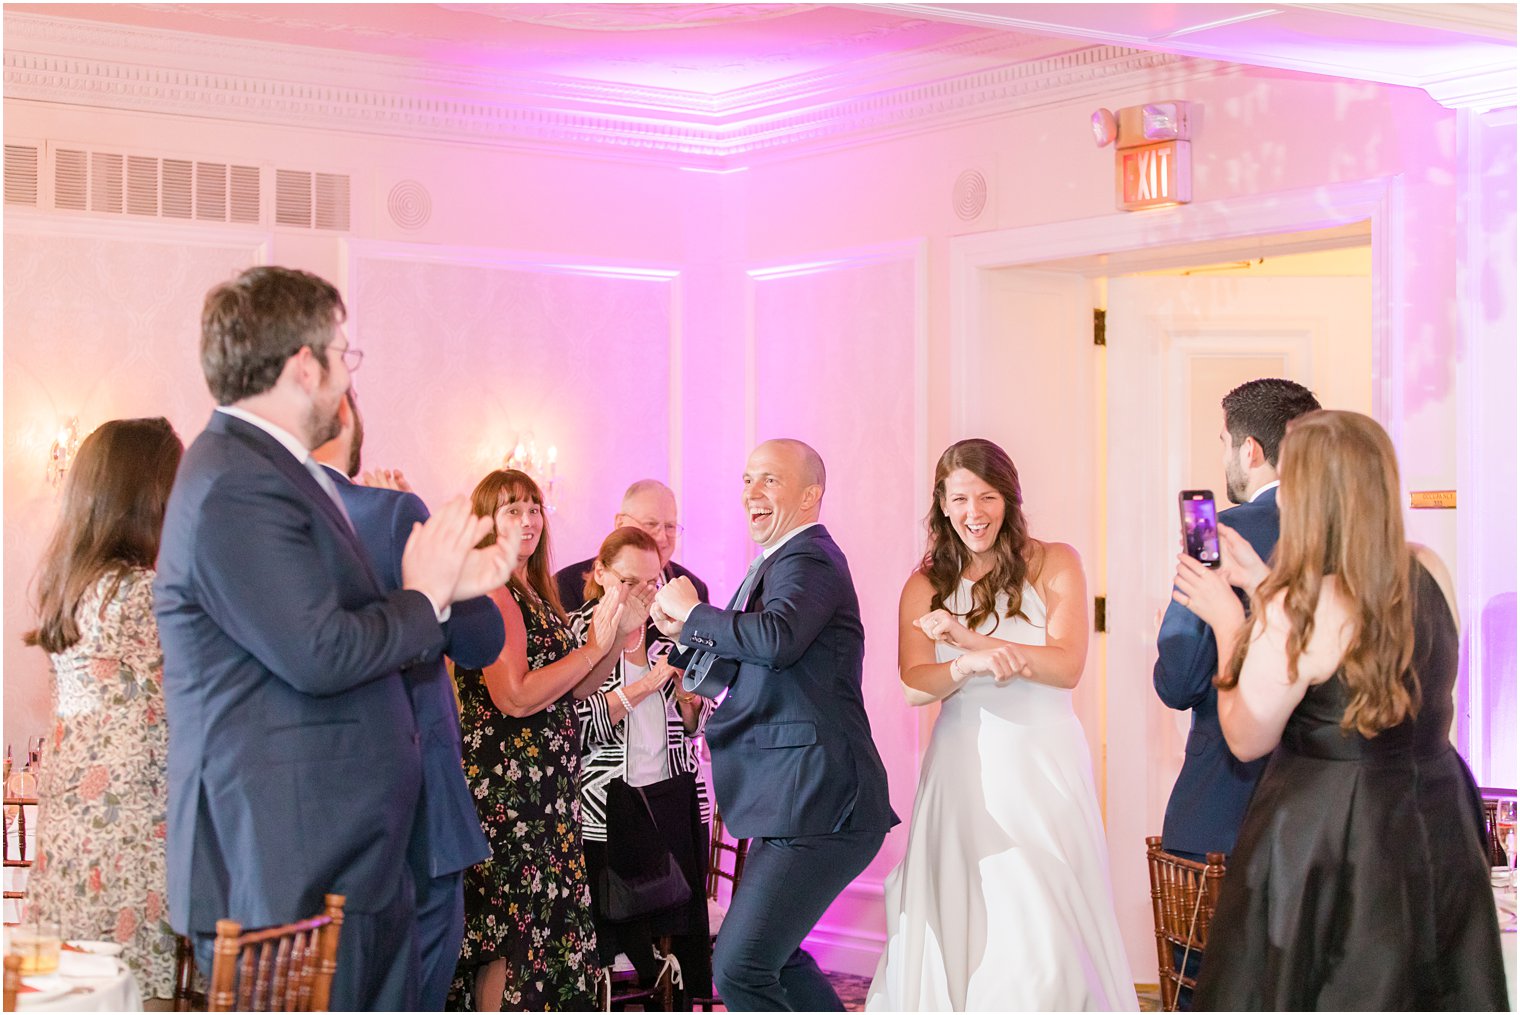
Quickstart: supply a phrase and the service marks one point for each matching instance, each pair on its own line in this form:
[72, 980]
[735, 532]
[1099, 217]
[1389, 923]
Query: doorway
[1185, 322]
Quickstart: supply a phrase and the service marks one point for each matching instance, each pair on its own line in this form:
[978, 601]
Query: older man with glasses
[649, 505]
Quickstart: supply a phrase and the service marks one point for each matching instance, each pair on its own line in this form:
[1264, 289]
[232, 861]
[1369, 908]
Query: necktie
[328, 487]
[696, 671]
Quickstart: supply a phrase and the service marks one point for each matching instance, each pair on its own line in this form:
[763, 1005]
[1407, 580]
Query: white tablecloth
[116, 992]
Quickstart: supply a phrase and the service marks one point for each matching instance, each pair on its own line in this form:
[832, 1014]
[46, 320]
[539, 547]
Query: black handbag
[654, 884]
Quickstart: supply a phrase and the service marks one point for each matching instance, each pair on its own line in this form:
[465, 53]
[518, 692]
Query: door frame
[1265, 221]
[1263, 224]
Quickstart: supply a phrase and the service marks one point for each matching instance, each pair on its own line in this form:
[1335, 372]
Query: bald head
[808, 461]
[783, 489]
[650, 505]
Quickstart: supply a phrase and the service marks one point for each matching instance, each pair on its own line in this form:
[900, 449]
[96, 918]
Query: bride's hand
[1004, 664]
[941, 625]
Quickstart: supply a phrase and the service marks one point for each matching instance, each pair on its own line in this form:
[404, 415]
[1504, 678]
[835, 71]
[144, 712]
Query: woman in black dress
[1360, 880]
[529, 942]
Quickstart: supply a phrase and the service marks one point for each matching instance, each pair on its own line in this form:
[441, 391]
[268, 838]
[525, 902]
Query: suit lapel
[285, 463]
[792, 545]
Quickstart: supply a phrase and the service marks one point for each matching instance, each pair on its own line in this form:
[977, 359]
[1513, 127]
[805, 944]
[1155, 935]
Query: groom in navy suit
[294, 765]
[446, 837]
[794, 766]
[1210, 796]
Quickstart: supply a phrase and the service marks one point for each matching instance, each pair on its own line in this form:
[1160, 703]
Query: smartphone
[1200, 526]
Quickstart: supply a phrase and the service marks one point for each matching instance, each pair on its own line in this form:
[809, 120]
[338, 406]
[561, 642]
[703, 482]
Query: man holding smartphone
[1213, 788]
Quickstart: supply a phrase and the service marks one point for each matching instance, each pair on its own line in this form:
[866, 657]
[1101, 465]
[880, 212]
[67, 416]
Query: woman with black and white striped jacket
[641, 791]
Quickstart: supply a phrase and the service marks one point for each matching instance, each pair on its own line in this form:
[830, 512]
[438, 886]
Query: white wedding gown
[1003, 900]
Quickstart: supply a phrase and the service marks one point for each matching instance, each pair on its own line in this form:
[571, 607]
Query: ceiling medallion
[632, 17]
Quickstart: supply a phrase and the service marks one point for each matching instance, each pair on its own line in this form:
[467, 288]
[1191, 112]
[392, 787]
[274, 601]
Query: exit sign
[1154, 176]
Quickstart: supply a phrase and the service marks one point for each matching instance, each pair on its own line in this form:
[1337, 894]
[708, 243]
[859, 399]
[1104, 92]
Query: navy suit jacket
[447, 837]
[294, 765]
[791, 744]
[1212, 790]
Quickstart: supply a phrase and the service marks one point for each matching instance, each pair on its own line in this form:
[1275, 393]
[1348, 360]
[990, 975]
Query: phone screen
[1200, 526]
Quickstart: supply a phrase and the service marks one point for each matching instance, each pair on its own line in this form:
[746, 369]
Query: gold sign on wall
[1432, 499]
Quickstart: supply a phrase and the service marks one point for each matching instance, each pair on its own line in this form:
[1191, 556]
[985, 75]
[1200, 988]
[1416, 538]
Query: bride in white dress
[1003, 900]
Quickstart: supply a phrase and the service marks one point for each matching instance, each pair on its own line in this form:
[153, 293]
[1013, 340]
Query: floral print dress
[530, 903]
[102, 792]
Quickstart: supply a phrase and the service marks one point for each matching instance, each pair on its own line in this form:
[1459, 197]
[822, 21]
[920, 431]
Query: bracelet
[590, 661]
[627, 705]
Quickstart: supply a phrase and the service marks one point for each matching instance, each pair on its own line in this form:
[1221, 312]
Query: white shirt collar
[782, 541]
[1268, 486]
[279, 433]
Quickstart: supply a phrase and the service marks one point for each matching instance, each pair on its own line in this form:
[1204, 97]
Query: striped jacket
[604, 746]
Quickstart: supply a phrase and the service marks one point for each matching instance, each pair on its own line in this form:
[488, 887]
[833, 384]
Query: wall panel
[836, 360]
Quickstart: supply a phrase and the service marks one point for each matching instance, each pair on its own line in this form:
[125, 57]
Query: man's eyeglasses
[654, 583]
[351, 357]
[654, 528]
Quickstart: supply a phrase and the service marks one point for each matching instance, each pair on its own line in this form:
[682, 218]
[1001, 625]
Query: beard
[1235, 483]
[322, 425]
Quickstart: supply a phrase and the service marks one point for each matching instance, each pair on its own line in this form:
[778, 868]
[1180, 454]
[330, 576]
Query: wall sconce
[61, 454]
[544, 468]
[1153, 161]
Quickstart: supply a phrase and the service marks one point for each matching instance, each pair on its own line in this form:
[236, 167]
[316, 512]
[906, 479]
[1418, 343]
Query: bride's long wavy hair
[1339, 501]
[947, 557]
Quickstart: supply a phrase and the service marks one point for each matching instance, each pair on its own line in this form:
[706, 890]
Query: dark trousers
[377, 958]
[758, 964]
[440, 931]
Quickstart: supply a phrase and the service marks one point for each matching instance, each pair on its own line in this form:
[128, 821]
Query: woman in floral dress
[102, 791]
[529, 941]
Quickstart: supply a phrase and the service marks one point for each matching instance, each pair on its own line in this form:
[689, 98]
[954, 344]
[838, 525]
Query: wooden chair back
[19, 813]
[186, 996]
[725, 860]
[1183, 896]
[12, 980]
[288, 968]
[1494, 835]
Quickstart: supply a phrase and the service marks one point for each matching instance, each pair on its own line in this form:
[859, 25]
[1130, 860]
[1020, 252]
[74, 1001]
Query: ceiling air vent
[106, 182]
[311, 200]
[114, 184]
[243, 195]
[142, 185]
[178, 174]
[71, 176]
[21, 174]
[211, 191]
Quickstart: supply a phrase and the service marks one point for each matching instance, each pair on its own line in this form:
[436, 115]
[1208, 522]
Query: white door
[1176, 346]
[1029, 380]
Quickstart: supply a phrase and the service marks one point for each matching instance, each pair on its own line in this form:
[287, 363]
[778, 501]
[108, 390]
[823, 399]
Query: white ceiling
[1463, 54]
[710, 85]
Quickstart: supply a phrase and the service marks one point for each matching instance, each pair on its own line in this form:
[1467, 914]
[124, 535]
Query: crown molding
[66, 61]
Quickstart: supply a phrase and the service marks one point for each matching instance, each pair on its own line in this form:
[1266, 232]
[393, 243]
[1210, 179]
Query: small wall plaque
[1419, 499]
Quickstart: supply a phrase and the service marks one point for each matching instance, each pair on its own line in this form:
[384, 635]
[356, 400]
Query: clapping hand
[385, 479]
[941, 625]
[434, 559]
[1206, 593]
[606, 618]
[635, 611]
[482, 566]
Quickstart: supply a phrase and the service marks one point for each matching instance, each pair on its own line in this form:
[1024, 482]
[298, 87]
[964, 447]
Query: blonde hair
[1341, 516]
